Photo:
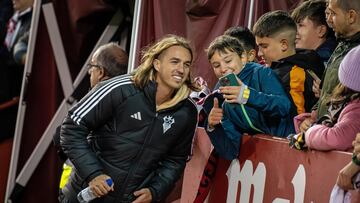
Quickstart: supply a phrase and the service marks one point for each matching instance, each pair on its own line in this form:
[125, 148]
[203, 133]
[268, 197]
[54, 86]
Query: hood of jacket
[304, 58]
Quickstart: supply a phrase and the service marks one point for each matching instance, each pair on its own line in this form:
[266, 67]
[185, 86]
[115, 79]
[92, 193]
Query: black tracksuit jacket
[129, 140]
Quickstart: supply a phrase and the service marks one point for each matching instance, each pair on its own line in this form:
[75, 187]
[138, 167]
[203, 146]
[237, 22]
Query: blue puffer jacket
[266, 111]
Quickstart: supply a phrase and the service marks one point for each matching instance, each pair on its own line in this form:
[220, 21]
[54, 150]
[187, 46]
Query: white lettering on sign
[248, 177]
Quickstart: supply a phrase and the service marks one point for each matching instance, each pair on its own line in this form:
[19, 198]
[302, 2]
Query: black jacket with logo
[129, 140]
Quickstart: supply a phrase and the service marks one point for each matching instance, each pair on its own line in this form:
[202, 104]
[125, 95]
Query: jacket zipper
[135, 165]
[123, 187]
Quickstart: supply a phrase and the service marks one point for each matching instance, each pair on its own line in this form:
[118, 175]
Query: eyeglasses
[91, 67]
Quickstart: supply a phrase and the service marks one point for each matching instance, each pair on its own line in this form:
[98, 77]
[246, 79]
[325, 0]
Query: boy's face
[173, 67]
[309, 35]
[228, 62]
[270, 49]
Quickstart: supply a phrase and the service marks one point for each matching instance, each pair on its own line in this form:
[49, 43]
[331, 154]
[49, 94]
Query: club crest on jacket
[168, 121]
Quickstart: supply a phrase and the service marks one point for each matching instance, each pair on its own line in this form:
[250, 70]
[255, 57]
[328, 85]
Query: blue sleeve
[272, 98]
[226, 140]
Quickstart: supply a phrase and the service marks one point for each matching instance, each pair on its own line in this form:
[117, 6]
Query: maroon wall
[200, 21]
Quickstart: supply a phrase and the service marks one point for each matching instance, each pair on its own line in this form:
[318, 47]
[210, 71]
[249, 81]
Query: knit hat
[349, 70]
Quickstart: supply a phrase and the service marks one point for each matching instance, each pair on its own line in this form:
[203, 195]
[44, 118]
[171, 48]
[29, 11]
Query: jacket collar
[24, 14]
[354, 38]
[248, 69]
[150, 92]
[307, 59]
[326, 48]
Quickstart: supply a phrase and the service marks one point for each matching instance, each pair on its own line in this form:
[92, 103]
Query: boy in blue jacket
[258, 104]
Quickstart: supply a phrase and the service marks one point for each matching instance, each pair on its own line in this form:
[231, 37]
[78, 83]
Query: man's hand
[215, 114]
[345, 176]
[316, 88]
[306, 124]
[143, 196]
[99, 186]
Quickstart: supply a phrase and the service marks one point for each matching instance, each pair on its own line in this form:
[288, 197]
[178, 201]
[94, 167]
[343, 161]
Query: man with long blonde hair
[141, 127]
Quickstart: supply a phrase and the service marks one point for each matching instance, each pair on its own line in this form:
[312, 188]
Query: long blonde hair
[146, 71]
